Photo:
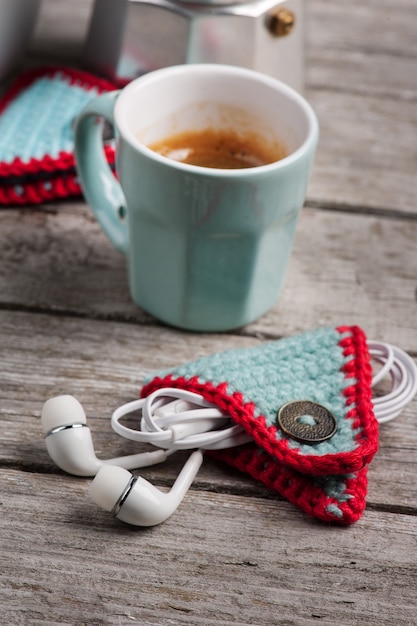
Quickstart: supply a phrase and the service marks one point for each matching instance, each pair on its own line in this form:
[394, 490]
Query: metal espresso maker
[128, 38]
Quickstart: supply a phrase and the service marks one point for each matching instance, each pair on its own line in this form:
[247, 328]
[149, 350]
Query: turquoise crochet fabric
[40, 121]
[37, 118]
[329, 367]
[306, 366]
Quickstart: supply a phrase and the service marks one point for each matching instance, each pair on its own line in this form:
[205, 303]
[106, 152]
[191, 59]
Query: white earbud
[69, 442]
[136, 501]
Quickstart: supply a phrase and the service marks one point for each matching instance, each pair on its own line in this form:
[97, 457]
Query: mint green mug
[207, 248]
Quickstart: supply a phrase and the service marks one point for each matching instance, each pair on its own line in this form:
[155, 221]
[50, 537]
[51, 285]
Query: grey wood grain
[367, 152]
[342, 271]
[219, 560]
[371, 28]
[233, 553]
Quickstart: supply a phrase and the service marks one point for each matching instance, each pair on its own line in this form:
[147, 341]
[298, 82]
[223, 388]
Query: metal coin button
[306, 421]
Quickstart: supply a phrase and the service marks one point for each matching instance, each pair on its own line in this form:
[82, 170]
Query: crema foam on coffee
[220, 149]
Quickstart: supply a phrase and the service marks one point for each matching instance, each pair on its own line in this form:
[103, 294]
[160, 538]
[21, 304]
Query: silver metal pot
[128, 38]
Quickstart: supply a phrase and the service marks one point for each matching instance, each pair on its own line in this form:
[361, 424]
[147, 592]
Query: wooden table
[233, 553]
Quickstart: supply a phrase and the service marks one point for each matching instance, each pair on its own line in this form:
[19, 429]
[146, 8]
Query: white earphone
[172, 419]
[136, 501]
[175, 419]
[70, 445]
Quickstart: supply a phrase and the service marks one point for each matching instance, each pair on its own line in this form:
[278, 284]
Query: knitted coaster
[306, 402]
[37, 115]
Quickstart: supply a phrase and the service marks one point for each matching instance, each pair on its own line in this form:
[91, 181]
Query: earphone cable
[403, 372]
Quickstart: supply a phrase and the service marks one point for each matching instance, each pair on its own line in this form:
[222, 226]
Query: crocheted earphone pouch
[306, 402]
[37, 114]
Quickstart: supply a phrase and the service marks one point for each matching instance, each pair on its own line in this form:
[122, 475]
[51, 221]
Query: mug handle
[101, 189]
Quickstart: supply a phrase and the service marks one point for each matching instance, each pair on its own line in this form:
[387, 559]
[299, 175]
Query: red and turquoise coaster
[37, 115]
[306, 402]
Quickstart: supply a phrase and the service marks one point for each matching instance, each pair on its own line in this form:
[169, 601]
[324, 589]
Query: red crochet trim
[60, 185]
[62, 182]
[36, 192]
[286, 471]
[265, 436]
[301, 490]
[359, 394]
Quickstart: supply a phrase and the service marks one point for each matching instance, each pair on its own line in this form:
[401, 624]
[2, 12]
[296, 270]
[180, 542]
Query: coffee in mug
[220, 148]
[207, 240]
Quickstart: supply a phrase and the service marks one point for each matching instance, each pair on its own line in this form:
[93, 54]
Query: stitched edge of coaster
[57, 185]
[359, 394]
[358, 401]
[65, 160]
[306, 492]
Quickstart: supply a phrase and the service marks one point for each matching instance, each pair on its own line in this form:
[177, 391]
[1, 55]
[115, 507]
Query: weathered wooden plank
[342, 270]
[104, 364]
[367, 52]
[366, 155]
[233, 553]
[219, 560]
[372, 27]
[361, 72]
[362, 47]
[346, 270]
[60, 249]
